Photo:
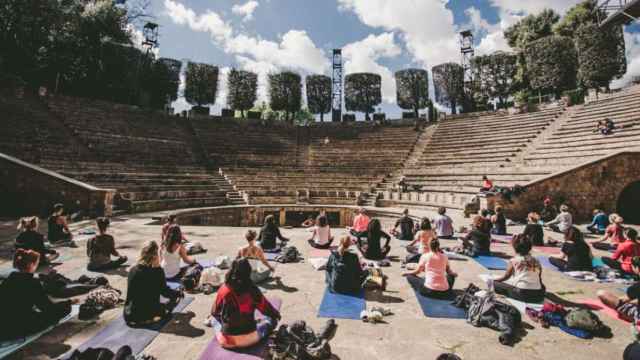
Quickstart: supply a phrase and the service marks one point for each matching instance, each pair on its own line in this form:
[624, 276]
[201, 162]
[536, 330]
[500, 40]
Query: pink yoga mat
[597, 305]
[319, 253]
[215, 352]
[548, 250]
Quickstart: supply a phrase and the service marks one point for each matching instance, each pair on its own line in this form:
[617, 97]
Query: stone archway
[629, 203]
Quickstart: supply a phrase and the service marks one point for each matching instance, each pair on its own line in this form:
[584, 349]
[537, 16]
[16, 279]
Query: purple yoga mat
[214, 351]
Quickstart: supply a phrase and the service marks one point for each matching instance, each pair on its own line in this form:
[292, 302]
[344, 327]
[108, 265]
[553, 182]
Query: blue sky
[380, 36]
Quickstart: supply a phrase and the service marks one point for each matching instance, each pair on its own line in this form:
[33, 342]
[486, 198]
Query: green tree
[601, 51]
[596, 49]
[448, 82]
[412, 89]
[531, 28]
[201, 84]
[242, 87]
[319, 94]
[494, 76]
[285, 93]
[362, 92]
[161, 81]
[519, 35]
[552, 64]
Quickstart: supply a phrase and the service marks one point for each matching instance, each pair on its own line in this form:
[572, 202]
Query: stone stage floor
[406, 335]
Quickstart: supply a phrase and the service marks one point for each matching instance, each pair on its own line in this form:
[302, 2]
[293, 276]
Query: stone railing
[27, 189]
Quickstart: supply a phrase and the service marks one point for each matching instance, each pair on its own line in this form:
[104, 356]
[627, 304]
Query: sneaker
[383, 310]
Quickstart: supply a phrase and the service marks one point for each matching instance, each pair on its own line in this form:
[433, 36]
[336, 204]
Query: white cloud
[527, 7]
[294, 50]
[363, 56]
[426, 26]
[209, 22]
[246, 10]
[633, 60]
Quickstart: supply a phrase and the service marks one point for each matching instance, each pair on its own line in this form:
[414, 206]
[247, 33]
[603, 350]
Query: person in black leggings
[576, 253]
[25, 308]
[523, 279]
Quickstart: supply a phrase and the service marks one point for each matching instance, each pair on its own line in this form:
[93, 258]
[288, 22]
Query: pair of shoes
[371, 316]
[385, 311]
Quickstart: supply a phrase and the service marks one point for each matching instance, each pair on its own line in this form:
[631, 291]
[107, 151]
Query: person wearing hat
[562, 222]
[614, 234]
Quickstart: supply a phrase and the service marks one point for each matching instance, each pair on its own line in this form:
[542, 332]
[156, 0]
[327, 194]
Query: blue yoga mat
[544, 261]
[341, 306]
[491, 262]
[271, 256]
[117, 333]
[434, 308]
[8, 348]
[597, 262]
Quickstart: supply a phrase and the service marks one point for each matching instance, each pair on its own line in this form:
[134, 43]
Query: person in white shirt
[321, 234]
[562, 222]
[523, 279]
[443, 224]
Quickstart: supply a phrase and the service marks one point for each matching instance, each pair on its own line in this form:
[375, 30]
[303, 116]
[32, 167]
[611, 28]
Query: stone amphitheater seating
[449, 172]
[158, 162]
[576, 142]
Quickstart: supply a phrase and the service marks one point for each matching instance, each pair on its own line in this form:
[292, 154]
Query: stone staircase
[234, 197]
[389, 181]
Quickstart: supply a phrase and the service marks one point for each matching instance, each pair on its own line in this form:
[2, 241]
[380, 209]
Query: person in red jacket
[233, 312]
[626, 251]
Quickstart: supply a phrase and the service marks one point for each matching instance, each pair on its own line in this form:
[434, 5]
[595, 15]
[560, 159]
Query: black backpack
[289, 254]
[191, 277]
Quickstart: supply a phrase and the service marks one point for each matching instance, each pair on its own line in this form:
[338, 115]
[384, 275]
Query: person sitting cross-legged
[562, 222]
[478, 241]
[261, 270]
[371, 248]
[523, 278]
[321, 237]
[614, 234]
[145, 284]
[438, 276]
[25, 308]
[344, 273]
[406, 227]
[599, 222]
[101, 247]
[172, 252]
[360, 224]
[30, 239]
[443, 224]
[626, 306]
[268, 235]
[576, 253]
[626, 251]
[58, 229]
[422, 238]
[534, 230]
[233, 311]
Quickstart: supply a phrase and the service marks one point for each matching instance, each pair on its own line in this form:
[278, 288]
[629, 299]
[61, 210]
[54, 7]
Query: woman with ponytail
[30, 239]
[25, 308]
[344, 273]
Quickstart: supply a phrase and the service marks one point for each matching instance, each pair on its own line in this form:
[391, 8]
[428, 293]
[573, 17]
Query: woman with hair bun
[25, 308]
[30, 239]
